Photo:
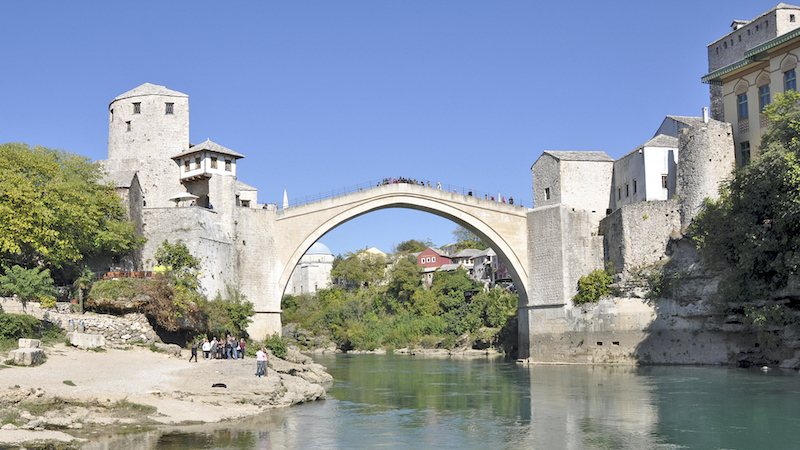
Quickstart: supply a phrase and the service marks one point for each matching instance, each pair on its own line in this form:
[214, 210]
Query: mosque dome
[318, 248]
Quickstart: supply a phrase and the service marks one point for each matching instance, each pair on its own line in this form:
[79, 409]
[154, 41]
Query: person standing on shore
[214, 348]
[261, 362]
[241, 348]
[206, 348]
[194, 351]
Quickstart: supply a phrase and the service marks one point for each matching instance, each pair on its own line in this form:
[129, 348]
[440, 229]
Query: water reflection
[412, 402]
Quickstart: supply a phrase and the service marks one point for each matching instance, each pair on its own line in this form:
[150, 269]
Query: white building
[312, 272]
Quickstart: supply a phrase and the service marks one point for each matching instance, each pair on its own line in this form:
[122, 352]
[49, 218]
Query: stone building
[747, 67]
[313, 272]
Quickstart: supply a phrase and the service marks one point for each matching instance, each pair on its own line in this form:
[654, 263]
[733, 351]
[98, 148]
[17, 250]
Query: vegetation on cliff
[392, 309]
[752, 233]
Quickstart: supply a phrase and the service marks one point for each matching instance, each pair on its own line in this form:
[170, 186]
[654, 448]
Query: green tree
[413, 246]
[182, 265]
[405, 278]
[357, 270]
[230, 315]
[753, 230]
[593, 286]
[55, 211]
[467, 239]
[28, 284]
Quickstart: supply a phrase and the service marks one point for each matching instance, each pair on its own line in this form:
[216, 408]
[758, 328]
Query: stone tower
[706, 159]
[147, 127]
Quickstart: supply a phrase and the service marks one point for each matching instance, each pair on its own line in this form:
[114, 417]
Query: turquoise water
[386, 401]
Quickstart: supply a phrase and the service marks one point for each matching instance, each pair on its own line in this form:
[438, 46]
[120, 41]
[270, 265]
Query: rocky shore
[75, 390]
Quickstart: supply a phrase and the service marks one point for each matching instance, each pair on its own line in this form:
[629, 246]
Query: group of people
[406, 181]
[229, 348]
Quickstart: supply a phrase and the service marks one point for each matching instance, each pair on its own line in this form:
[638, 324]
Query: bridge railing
[349, 189]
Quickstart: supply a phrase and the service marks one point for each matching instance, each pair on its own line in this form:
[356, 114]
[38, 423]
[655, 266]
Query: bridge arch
[502, 226]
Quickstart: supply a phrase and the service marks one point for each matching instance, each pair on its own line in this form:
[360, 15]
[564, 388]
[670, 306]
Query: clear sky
[324, 95]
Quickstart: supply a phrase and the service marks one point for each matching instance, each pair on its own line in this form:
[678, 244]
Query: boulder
[29, 343]
[26, 356]
[83, 340]
[170, 349]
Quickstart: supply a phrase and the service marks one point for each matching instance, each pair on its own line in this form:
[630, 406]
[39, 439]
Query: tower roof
[150, 89]
[211, 147]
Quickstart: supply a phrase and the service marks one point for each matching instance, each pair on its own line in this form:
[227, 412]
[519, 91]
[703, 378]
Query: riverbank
[78, 389]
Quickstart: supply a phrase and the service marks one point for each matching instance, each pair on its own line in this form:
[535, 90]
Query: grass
[69, 383]
[127, 409]
[38, 408]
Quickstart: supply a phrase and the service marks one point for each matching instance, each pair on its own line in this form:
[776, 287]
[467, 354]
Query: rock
[26, 356]
[9, 426]
[170, 349]
[792, 363]
[29, 343]
[83, 340]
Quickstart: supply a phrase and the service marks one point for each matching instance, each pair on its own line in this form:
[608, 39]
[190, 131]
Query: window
[763, 97]
[627, 190]
[228, 165]
[744, 150]
[791, 17]
[128, 124]
[137, 108]
[197, 163]
[245, 203]
[742, 102]
[664, 179]
[433, 259]
[186, 165]
[170, 108]
[634, 186]
[619, 193]
[213, 162]
[547, 193]
[789, 81]
[111, 116]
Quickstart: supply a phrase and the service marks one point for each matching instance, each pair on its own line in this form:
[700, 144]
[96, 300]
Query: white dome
[318, 248]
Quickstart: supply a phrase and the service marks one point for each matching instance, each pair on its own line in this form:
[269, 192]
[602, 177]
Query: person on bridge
[438, 185]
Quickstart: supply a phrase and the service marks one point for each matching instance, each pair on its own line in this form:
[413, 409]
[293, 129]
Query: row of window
[169, 108]
[197, 161]
[664, 184]
[766, 24]
[429, 259]
[789, 84]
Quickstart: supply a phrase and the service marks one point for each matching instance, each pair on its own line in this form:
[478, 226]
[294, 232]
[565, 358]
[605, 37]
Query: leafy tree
[180, 262]
[413, 246]
[753, 230]
[231, 315]
[28, 284]
[54, 210]
[467, 239]
[358, 269]
[405, 280]
[450, 286]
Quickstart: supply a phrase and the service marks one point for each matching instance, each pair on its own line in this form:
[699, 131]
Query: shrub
[15, 326]
[593, 286]
[28, 284]
[276, 344]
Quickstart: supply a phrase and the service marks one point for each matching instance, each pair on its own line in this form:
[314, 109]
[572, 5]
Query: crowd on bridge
[393, 180]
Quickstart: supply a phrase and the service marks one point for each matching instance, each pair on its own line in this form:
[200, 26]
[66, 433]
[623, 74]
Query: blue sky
[321, 95]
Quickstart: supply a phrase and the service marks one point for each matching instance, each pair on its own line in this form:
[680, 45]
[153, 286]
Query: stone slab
[29, 343]
[83, 340]
[26, 356]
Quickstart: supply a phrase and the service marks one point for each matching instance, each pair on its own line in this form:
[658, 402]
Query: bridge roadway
[293, 230]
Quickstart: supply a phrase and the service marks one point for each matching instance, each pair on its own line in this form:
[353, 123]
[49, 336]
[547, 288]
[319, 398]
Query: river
[388, 401]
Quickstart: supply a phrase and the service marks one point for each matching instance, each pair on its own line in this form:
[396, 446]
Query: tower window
[627, 190]
[111, 116]
[128, 125]
[547, 193]
[137, 108]
[791, 17]
[197, 163]
[227, 165]
[170, 108]
[634, 186]
[213, 162]
[186, 165]
[664, 179]
[619, 193]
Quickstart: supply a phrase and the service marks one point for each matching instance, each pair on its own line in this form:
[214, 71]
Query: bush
[276, 344]
[15, 326]
[593, 286]
[28, 284]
